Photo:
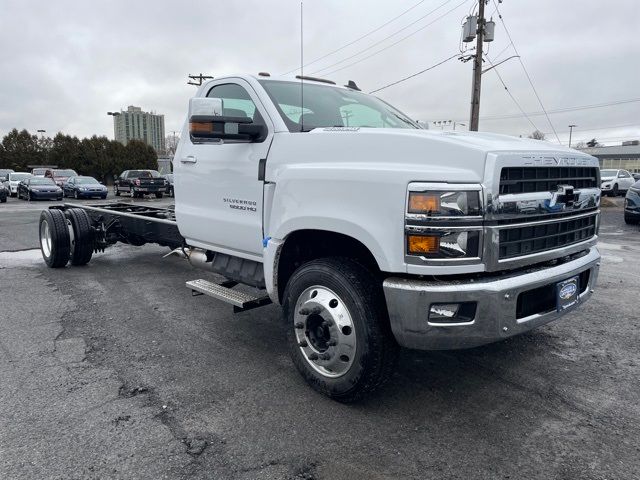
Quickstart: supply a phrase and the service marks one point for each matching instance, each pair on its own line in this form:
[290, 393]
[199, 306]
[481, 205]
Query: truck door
[218, 193]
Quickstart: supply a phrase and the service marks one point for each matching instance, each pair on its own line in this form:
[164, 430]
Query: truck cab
[371, 232]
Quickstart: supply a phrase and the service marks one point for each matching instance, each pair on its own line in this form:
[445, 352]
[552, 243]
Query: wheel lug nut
[313, 356]
[299, 325]
[324, 356]
[308, 311]
[303, 344]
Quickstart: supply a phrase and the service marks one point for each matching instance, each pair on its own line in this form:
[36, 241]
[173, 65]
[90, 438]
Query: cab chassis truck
[370, 232]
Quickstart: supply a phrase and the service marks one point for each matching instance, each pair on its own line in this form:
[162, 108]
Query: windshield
[64, 173]
[85, 180]
[326, 106]
[41, 181]
[18, 176]
[608, 173]
[143, 174]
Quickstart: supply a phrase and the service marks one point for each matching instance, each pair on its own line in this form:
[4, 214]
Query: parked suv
[4, 173]
[60, 176]
[139, 182]
[14, 179]
[615, 182]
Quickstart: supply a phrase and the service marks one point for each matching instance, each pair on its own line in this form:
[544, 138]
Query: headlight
[444, 243]
[445, 203]
[443, 223]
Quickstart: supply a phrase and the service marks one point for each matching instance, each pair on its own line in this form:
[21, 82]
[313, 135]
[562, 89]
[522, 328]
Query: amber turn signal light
[200, 127]
[423, 202]
[418, 244]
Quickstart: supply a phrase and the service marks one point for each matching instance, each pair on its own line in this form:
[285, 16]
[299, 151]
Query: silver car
[615, 182]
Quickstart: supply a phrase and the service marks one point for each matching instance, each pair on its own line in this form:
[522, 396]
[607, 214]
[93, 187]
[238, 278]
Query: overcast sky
[64, 64]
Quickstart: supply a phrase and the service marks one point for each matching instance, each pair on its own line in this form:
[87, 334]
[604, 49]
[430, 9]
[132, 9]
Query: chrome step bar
[224, 291]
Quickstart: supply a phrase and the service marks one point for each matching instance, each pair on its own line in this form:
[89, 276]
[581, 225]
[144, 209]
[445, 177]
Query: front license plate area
[567, 293]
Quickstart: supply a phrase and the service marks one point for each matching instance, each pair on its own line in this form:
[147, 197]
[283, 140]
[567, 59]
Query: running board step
[241, 301]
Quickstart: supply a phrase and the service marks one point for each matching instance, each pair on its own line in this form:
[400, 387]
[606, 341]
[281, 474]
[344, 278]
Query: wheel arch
[303, 245]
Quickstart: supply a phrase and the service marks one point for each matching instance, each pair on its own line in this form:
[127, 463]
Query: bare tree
[171, 144]
[537, 135]
[593, 143]
[580, 145]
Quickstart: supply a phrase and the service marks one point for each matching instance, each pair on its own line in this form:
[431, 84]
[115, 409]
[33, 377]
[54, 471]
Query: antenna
[301, 69]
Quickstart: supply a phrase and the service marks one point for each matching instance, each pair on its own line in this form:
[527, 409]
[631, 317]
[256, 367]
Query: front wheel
[615, 190]
[338, 329]
[159, 195]
[116, 192]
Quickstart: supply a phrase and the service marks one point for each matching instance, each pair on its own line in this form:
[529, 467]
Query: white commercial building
[134, 124]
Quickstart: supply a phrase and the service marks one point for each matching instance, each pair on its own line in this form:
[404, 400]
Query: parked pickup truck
[370, 232]
[139, 182]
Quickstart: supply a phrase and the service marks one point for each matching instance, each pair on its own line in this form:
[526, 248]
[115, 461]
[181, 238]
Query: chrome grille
[546, 179]
[529, 239]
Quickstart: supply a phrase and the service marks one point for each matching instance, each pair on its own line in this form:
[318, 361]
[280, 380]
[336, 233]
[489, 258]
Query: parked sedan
[84, 187]
[13, 180]
[615, 181]
[4, 193]
[39, 188]
[632, 204]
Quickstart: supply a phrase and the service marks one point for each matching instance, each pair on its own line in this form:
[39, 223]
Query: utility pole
[198, 79]
[570, 133]
[477, 71]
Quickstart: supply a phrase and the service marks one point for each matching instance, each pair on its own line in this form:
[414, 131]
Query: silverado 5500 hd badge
[239, 204]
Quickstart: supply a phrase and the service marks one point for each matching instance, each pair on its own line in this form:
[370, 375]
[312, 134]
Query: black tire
[75, 194]
[376, 350]
[614, 192]
[158, 194]
[631, 219]
[116, 191]
[56, 252]
[3, 199]
[82, 245]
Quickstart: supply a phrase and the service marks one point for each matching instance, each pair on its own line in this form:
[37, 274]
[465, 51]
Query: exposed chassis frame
[130, 223]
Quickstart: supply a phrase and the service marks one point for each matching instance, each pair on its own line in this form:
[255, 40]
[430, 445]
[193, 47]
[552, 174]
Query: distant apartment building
[134, 124]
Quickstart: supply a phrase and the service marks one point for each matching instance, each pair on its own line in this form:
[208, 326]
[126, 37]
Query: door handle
[189, 159]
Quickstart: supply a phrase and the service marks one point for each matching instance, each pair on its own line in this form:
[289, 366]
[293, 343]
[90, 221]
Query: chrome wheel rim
[45, 238]
[324, 331]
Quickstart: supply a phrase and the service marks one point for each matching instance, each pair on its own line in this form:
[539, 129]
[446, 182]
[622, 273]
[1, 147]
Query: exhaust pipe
[195, 256]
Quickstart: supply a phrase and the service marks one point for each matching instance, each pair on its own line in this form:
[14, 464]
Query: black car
[36, 188]
[4, 193]
[169, 178]
[84, 187]
[632, 204]
[139, 182]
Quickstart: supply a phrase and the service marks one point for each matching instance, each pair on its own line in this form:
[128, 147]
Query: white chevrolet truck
[371, 232]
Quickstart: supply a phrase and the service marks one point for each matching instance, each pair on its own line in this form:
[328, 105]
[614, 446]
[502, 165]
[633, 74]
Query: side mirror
[207, 122]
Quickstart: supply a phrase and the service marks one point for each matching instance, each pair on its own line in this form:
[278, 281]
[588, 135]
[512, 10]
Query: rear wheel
[75, 194]
[159, 195]
[55, 241]
[116, 191]
[82, 242]
[338, 329]
[614, 192]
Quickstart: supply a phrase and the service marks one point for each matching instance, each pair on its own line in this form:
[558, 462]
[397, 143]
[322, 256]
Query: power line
[560, 110]
[359, 38]
[388, 46]
[525, 70]
[511, 95]
[602, 128]
[416, 74]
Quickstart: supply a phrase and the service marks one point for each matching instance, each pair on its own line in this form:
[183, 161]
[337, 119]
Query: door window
[236, 102]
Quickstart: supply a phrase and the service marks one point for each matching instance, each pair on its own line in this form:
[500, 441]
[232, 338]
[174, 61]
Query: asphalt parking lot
[114, 370]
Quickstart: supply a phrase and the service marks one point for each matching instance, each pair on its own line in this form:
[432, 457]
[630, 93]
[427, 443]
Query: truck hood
[404, 154]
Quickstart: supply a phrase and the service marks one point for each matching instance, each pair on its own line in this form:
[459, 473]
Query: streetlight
[571, 132]
[42, 132]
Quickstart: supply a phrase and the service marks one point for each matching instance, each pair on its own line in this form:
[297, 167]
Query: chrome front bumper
[409, 301]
